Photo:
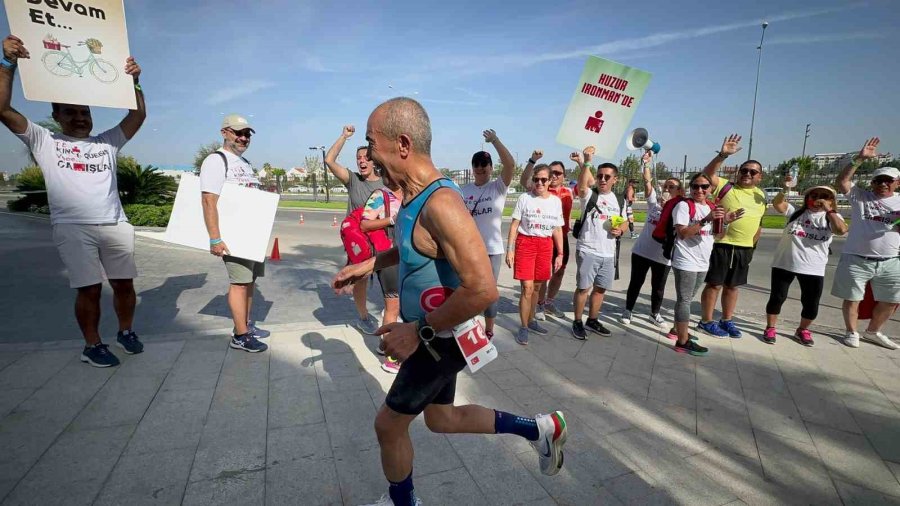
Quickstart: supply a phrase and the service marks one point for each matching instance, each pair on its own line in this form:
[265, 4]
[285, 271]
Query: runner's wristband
[532, 162]
[213, 242]
[7, 64]
[138, 87]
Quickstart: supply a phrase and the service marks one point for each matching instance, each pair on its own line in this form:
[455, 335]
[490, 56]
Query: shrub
[25, 202]
[142, 215]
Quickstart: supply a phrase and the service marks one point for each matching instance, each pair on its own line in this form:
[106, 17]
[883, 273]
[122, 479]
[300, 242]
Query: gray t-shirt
[359, 190]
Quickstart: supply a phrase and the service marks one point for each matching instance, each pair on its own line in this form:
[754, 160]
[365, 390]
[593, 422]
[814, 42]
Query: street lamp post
[324, 171]
[805, 137]
[756, 90]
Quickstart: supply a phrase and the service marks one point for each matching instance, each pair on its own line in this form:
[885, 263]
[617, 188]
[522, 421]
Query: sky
[301, 70]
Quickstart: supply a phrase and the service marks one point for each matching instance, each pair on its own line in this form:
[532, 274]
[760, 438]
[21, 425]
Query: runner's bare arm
[451, 227]
[844, 181]
[211, 218]
[509, 163]
[585, 178]
[135, 118]
[372, 225]
[780, 203]
[13, 49]
[647, 160]
[525, 178]
[730, 146]
[353, 273]
[339, 171]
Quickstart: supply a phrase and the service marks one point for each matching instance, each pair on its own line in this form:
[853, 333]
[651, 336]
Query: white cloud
[237, 90]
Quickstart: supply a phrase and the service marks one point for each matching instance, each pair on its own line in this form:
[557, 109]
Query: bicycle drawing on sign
[62, 63]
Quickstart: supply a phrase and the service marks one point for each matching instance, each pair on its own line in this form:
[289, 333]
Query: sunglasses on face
[883, 180]
[539, 180]
[242, 133]
[556, 174]
[698, 186]
[751, 172]
[605, 177]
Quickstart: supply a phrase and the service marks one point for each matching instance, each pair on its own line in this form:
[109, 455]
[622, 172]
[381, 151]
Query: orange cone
[276, 255]
[334, 221]
[301, 219]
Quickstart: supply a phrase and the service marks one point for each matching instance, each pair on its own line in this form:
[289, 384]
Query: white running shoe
[658, 320]
[386, 501]
[851, 339]
[539, 313]
[626, 317]
[880, 339]
[552, 436]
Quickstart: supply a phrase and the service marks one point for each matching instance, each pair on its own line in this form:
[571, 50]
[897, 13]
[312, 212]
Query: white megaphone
[640, 139]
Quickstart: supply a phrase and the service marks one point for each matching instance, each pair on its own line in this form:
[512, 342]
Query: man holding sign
[90, 229]
[445, 281]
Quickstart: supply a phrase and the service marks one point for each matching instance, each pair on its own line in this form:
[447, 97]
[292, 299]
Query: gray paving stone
[12, 397]
[883, 433]
[300, 465]
[850, 458]
[823, 407]
[243, 489]
[224, 455]
[34, 369]
[122, 401]
[8, 357]
[184, 409]
[148, 478]
[726, 425]
[780, 458]
[510, 379]
[632, 488]
[294, 400]
[449, 488]
[854, 495]
[674, 386]
[775, 413]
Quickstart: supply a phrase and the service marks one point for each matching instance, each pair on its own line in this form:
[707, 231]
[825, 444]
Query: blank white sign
[246, 217]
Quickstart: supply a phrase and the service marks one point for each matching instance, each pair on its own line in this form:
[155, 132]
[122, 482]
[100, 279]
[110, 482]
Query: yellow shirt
[742, 231]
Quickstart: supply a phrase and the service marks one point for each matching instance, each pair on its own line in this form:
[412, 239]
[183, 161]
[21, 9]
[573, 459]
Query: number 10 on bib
[474, 344]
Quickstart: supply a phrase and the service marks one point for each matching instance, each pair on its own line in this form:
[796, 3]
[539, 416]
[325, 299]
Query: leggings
[810, 292]
[491, 311]
[639, 268]
[687, 284]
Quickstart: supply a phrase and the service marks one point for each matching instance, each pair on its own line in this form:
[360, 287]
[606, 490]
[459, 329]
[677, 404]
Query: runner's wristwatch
[424, 330]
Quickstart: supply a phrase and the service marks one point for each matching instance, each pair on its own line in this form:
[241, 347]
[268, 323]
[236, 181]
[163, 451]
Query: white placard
[78, 50]
[246, 217]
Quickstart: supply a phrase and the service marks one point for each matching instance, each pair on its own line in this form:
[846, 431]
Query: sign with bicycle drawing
[78, 50]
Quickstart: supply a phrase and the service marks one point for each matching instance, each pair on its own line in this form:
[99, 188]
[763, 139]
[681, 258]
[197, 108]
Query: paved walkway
[191, 421]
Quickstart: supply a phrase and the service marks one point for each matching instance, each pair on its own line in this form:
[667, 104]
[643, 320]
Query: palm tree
[143, 185]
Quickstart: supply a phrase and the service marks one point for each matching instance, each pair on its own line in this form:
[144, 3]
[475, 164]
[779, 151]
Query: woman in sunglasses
[647, 254]
[690, 255]
[536, 227]
[802, 253]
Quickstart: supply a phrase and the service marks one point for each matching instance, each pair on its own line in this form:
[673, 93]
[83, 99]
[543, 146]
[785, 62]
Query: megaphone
[640, 139]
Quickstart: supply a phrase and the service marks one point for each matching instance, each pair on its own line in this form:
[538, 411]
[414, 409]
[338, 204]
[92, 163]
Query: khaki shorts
[92, 253]
[853, 272]
[242, 271]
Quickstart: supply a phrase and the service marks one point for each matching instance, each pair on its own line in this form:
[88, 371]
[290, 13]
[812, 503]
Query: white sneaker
[552, 436]
[851, 339]
[658, 320]
[386, 501]
[626, 317]
[539, 313]
[880, 339]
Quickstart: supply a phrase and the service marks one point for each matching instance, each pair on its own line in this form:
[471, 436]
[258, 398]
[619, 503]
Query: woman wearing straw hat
[802, 253]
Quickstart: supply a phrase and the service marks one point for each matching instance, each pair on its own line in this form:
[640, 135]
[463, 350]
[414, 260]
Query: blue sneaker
[534, 327]
[713, 329]
[729, 327]
[522, 336]
[99, 356]
[128, 341]
[256, 331]
[248, 343]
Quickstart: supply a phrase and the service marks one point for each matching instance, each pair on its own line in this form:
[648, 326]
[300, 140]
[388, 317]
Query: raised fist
[589, 153]
[349, 130]
[536, 154]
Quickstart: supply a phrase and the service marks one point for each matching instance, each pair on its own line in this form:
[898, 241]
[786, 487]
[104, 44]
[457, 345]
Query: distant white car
[294, 189]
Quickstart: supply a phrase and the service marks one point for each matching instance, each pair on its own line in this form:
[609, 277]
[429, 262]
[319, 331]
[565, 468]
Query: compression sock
[631, 226]
[402, 493]
[508, 423]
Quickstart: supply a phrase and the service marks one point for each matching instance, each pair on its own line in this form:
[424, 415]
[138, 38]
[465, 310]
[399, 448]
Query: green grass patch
[309, 204]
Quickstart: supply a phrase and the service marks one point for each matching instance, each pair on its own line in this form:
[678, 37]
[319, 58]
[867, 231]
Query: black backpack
[591, 204]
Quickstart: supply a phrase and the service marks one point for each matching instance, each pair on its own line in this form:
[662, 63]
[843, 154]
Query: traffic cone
[301, 219]
[334, 221]
[276, 255]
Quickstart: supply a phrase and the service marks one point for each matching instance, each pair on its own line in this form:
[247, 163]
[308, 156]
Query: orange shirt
[565, 195]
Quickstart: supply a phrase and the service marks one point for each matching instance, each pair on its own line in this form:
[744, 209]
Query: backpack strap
[591, 204]
[224, 160]
[724, 191]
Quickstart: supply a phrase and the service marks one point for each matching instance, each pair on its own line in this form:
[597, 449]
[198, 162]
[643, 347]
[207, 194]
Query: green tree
[662, 171]
[30, 179]
[143, 185]
[202, 152]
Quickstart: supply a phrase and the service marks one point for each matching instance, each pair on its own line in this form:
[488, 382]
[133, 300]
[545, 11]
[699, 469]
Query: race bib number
[474, 344]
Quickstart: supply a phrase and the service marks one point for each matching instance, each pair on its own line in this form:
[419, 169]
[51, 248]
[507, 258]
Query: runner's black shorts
[565, 251]
[423, 381]
[729, 265]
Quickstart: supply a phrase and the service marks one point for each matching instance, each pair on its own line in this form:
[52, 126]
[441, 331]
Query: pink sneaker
[673, 335]
[769, 334]
[390, 366]
[805, 337]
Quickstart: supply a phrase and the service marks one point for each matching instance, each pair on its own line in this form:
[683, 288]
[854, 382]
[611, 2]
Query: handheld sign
[78, 51]
[607, 95]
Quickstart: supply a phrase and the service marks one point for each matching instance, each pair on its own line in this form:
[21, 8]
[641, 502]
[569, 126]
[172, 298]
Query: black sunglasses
[541, 180]
[605, 177]
[557, 173]
[241, 133]
[883, 180]
[820, 196]
[752, 172]
[698, 186]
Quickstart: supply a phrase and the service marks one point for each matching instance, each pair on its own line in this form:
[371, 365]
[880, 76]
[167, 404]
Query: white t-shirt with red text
[646, 246]
[80, 174]
[872, 229]
[485, 203]
[692, 254]
[595, 237]
[803, 247]
[538, 216]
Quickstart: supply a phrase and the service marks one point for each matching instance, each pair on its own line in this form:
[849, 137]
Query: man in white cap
[872, 251]
[228, 166]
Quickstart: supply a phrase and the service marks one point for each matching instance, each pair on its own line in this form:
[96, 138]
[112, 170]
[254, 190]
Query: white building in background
[828, 160]
[175, 171]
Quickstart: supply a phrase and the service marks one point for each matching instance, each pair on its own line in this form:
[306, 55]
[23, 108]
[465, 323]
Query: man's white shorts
[88, 251]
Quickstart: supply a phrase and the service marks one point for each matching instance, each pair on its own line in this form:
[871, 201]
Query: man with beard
[228, 166]
[730, 260]
[445, 281]
[359, 185]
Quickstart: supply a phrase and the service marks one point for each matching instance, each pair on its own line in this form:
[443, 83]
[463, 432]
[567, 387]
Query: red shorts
[534, 258]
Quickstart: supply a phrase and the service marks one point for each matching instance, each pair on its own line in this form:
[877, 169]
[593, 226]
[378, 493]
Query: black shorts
[423, 381]
[389, 280]
[565, 251]
[729, 265]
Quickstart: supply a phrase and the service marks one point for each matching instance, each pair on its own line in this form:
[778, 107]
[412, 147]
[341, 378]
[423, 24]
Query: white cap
[887, 171]
[236, 122]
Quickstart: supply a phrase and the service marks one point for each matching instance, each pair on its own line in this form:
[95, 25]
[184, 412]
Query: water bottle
[795, 172]
[718, 224]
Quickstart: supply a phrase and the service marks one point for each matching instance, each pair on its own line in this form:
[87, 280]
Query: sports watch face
[426, 332]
